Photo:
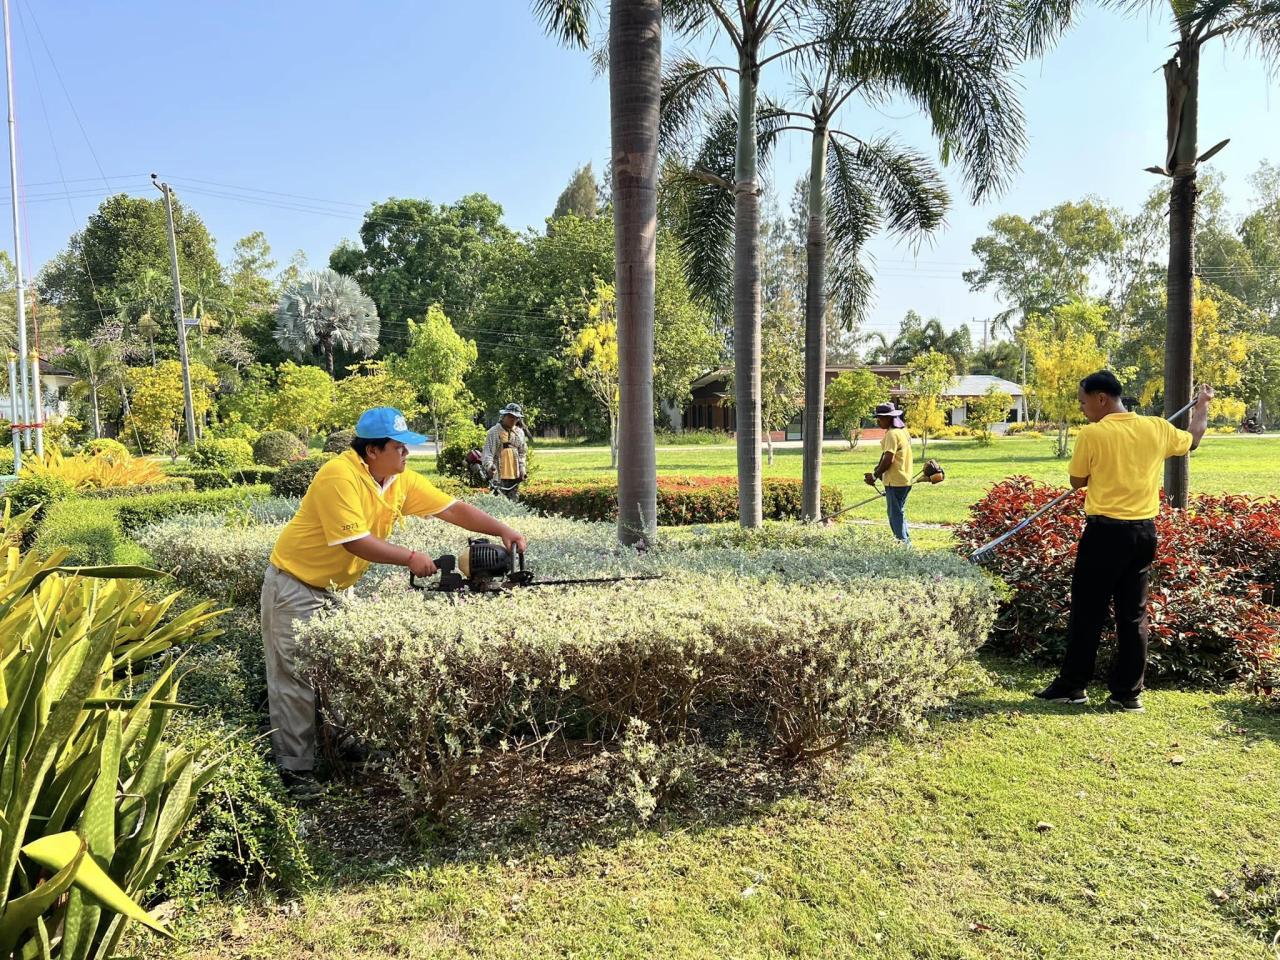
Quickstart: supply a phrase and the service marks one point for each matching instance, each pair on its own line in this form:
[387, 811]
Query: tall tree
[926, 379]
[759, 32]
[323, 313]
[581, 196]
[594, 352]
[437, 363]
[94, 364]
[1254, 24]
[414, 253]
[955, 70]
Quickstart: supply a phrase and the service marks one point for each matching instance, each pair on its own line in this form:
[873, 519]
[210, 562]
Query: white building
[964, 390]
[54, 381]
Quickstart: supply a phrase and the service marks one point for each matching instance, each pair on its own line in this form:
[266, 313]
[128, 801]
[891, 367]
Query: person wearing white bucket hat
[894, 468]
[506, 450]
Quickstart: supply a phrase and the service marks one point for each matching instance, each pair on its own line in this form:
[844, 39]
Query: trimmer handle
[445, 564]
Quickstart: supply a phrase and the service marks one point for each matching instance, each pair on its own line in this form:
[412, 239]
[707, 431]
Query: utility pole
[177, 310]
[29, 416]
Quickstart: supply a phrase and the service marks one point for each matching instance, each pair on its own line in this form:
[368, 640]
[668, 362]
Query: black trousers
[1113, 564]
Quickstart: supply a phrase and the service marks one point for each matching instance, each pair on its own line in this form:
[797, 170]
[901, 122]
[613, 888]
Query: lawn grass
[1222, 464]
[1007, 829]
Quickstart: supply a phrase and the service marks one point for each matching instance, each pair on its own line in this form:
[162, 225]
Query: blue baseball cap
[386, 422]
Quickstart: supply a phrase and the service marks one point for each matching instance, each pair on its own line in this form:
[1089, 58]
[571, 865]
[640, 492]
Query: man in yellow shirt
[894, 468]
[1119, 457]
[341, 526]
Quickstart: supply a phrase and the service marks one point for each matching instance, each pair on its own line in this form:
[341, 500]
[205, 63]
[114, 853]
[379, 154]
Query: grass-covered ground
[1222, 464]
[1008, 828]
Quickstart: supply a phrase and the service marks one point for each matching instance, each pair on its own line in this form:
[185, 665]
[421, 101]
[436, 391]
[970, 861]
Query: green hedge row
[96, 530]
[214, 478]
[681, 500]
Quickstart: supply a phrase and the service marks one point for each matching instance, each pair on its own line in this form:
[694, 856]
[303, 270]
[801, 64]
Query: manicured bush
[136, 512]
[205, 553]
[167, 485]
[339, 441]
[215, 479]
[88, 529]
[1209, 623]
[953, 433]
[275, 448]
[681, 500]
[293, 479]
[452, 461]
[438, 686]
[225, 453]
[37, 491]
[106, 447]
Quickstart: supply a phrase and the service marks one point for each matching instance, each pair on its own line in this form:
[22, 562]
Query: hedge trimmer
[932, 472]
[488, 567]
[984, 552]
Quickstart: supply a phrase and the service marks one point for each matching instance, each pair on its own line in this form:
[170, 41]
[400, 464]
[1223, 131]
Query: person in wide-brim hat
[894, 467]
[506, 451]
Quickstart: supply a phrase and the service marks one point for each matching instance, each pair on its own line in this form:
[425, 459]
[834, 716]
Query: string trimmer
[932, 472]
[984, 552]
[488, 567]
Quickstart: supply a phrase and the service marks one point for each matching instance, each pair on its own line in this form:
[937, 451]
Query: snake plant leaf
[56, 851]
[22, 913]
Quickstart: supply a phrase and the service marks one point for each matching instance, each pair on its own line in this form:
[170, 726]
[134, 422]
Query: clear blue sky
[248, 107]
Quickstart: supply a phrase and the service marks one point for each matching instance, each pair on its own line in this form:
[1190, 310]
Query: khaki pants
[287, 602]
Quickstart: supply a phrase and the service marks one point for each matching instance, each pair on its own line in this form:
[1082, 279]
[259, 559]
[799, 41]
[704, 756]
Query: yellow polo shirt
[1123, 456]
[898, 442]
[344, 503]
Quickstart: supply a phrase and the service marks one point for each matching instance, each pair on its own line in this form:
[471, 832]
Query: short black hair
[361, 444]
[1104, 381]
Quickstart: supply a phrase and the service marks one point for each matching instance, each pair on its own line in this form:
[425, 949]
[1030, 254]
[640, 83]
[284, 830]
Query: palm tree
[95, 365]
[323, 312]
[635, 87]
[753, 29]
[1252, 23]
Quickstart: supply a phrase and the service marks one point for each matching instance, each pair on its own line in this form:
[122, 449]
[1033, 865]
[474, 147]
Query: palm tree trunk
[1182, 77]
[746, 301]
[635, 87]
[97, 419]
[815, 330]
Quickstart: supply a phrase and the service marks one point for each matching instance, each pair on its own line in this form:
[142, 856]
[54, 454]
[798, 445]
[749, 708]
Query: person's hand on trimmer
[513, 540]
[870, 479]
[420, 565]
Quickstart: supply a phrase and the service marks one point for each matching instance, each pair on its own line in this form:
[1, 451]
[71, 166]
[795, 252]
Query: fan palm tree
[635, 86]
[95, 364]
[1253, 24]
[324, 312]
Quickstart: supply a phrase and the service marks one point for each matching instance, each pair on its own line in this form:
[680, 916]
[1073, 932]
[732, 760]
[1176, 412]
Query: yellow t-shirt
[898, 442]
[345, 503]
[1123, 456]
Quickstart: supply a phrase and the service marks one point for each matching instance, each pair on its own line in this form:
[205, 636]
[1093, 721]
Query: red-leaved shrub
[681, 500]
[1213, 584]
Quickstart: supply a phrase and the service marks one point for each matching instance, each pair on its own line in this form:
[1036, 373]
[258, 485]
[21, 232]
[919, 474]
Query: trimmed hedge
[275, 448]
[97, 529]
[223, 453]
[292, 479]
[215, 479]
[171, 485]
[681, 500]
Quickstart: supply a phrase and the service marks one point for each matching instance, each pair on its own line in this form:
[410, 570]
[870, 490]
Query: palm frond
[907, 187]
[689, 91]
[959, 72]
[852, 218]
[704, 230]
[566, 20]
[688, 17]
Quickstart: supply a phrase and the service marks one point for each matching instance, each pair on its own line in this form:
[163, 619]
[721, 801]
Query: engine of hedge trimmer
[488, 567]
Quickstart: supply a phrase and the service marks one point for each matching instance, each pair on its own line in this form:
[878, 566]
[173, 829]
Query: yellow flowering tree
[156, 402]
[594, 353]
[303, 399]
[1063, 349]
[927, 376]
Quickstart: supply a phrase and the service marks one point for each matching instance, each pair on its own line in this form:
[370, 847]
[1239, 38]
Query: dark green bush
[226, 453]
[275, 448]
[452, 462]
[88, 528]
[339, 441]
[213, 479]
[44, 491]
[292, 479]
[168, 485]
[138, 512]
[244, 830]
